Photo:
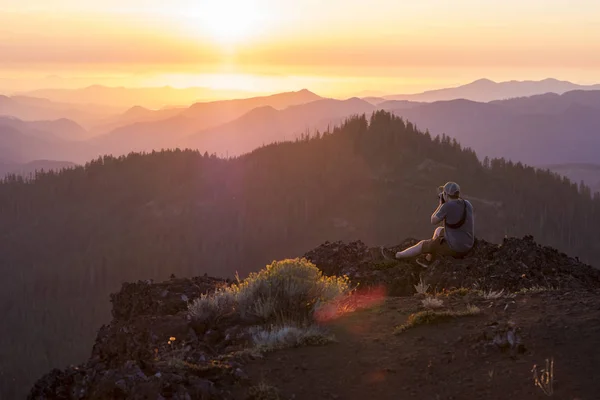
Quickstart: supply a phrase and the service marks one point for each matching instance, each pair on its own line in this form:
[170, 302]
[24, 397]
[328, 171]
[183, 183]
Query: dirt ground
[456, 359]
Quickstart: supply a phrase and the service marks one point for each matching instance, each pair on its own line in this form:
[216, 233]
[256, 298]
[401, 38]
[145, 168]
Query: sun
[229, 21]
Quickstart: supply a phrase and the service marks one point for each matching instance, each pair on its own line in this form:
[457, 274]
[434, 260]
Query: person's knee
[439, 231]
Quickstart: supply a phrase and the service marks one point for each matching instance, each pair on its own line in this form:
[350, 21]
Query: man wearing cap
[456, 237]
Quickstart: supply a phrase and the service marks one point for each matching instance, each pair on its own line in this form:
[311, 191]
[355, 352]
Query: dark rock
[142, 298]
[515, 264]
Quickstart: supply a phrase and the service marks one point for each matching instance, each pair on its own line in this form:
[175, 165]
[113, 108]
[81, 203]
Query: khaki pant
[438, 245]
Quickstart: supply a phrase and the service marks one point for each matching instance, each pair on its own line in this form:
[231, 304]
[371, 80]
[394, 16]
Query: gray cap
[450, 188]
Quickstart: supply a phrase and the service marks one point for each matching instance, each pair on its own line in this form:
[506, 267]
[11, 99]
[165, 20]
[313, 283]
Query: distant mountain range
[484, 90]
[150, 97]
[576, 172]
[152, 132]
[266, 125]
[25, 141]
[34, 109]
[544, 129]
[549, 129]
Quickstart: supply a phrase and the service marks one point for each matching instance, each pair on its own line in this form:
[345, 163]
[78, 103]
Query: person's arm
[439, 214]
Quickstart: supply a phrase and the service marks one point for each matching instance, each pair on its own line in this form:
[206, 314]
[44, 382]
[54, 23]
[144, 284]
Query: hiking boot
[387, 254]
[425, 260]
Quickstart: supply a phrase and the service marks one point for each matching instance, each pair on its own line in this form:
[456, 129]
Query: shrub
[289, 336]
[284, 291]
[210, 306]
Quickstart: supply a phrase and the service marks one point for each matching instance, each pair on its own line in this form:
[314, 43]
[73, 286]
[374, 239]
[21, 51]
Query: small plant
[421, 287]
[263, 391]
[289, 336]
[432, 303]
[545, 379]
[495, 294]
[431, 317]
[537, 289]
[455, 292]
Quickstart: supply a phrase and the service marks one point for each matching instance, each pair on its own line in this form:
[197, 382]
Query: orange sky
[335, 47]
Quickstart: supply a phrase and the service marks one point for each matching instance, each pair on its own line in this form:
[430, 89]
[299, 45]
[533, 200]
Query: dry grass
[263, 391]
[459, 292]
[421, 287]
[496, 294]
[537, 289]
[432, 303]
[432, 317]
[280, 337]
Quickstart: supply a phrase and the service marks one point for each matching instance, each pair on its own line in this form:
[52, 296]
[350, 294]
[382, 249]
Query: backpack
[462, 221]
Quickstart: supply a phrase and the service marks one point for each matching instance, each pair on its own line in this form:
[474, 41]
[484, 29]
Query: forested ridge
[71, 238]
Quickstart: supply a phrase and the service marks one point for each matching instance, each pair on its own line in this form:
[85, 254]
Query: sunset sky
[334, 47]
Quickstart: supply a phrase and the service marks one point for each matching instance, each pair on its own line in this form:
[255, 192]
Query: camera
[441, 197]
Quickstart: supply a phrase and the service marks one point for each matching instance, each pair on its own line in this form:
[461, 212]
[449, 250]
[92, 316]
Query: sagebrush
[285, 291]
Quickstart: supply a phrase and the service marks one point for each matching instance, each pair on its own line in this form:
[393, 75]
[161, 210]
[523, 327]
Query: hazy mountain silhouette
[577, 172]
[35, 109]
[25, 141]
[374, 100]
[58, 129]
[552, 103]
[564, 134]
[151, 97]
[266, 125]
[227, 110]
[397, 104]
[134, 115]
[155, 134]
[486, 90]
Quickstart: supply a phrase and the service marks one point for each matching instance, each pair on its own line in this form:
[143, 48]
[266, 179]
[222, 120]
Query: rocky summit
[152, 349]
[515, 264]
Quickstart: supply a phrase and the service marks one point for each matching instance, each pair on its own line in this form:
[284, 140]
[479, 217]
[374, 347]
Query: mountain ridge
[485, 90]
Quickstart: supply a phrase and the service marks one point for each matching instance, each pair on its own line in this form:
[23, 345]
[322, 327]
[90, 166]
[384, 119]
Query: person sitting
[456, 237]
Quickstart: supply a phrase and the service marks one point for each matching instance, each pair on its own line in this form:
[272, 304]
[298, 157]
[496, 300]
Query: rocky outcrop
[153, 350]
[512, 265]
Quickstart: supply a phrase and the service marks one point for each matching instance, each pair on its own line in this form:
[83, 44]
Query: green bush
[288, 291]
